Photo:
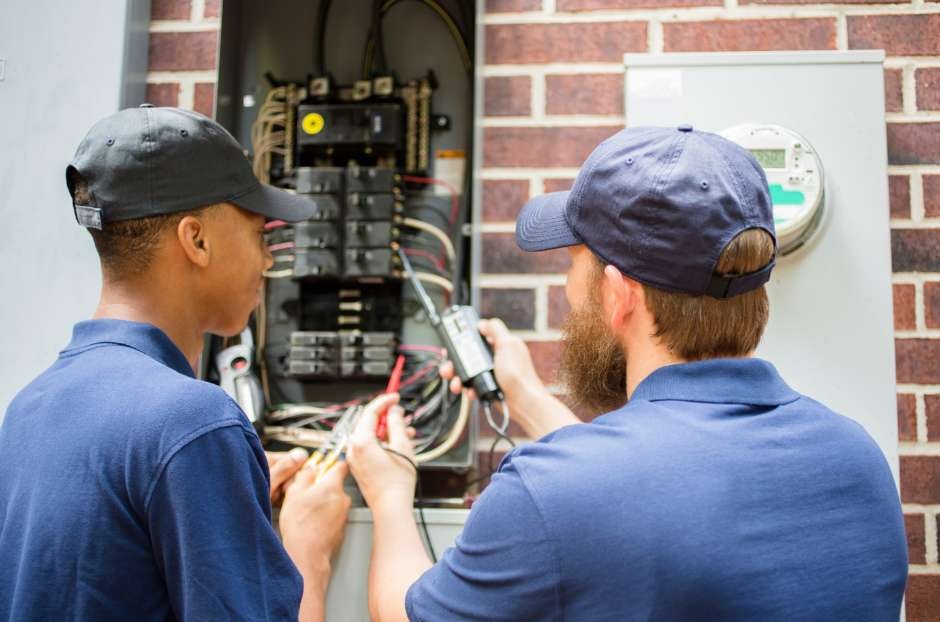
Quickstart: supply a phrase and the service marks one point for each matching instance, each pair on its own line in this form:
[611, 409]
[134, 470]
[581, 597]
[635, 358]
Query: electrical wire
[278, 274]
[454, 193]
[435, 231]
[455, 433]
[435, 279]
[456, 33]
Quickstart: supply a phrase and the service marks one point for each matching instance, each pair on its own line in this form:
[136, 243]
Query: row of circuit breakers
[342, 267]
[347, 241]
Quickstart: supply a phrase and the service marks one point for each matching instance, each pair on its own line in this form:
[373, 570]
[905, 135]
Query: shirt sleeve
[502, 567]
[210, 526]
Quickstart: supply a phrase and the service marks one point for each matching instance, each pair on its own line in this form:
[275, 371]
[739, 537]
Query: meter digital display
[794, 176]
[770, 158]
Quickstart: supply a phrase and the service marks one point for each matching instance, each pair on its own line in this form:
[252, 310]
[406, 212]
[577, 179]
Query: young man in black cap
[716, 492]
[129, 490]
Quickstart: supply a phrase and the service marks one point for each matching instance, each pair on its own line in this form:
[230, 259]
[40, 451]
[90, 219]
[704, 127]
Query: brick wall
[553, 90]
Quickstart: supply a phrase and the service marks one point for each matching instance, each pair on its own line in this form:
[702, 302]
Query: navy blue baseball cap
[660, 204]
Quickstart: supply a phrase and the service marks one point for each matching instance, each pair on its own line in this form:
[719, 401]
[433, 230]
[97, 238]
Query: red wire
[423, 253]
[281, 247]
[454, 193]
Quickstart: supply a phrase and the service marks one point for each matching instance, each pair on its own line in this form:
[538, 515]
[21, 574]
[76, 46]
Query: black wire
[418, 496]
[319, 55]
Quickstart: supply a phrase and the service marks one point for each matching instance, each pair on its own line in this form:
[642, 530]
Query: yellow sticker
[313, 123]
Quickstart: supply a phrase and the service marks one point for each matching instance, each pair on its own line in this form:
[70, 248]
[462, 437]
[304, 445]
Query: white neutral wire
[435, 231]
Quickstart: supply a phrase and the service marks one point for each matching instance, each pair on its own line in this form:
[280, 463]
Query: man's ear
[193, 238]
[620, 296]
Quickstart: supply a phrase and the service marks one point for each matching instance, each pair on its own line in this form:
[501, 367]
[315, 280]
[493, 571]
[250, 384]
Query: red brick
[932, 304]
[818, 1]
[914, 526]
[507, 96]
[914, 143]
[501, 255]
[558, 306]
[170, 9]
[183, 51]
[915, 250]
[577, 42]
[899, 192]
[541, 147]
[512, 6]
[584, 94]
[204, 98]
[516, 307]
[502, 198]
[897, 35]
[750, 34]
[932, 412]
[163, 94]
[557, 185]
[213, 9]
[918, 361]
[927, 83]
[894, 99]
[546, 355]
[922, 598]
[592, 5]
[903, 307]
[907, 417]
[920, 479]
[931, 195]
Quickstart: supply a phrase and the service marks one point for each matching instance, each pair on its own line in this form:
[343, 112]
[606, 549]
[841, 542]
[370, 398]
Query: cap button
[146, 106]
[685, 127]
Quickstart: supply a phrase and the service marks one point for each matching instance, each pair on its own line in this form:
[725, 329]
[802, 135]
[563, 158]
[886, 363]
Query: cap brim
[276, 204]
[542, 225]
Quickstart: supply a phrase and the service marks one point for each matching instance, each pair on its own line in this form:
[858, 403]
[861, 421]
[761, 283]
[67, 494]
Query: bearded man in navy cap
[707, 489]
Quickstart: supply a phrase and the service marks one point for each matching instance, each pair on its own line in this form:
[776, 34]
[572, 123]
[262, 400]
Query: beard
[593, 364]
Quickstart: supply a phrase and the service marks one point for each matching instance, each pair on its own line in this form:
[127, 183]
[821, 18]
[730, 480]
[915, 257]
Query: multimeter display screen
[770, 158]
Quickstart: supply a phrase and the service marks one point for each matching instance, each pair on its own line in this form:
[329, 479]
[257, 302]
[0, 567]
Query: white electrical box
[831, 331]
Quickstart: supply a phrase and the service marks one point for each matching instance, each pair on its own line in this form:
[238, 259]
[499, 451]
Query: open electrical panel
[365, 106]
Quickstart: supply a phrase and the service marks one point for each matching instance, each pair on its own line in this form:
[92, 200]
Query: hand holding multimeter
[471, 355]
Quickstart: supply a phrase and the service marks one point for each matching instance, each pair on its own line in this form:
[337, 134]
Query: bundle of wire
[424, 396]
[266, 138]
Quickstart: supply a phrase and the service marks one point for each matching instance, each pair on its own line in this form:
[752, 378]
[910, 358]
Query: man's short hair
[702, 327]
[126, 247]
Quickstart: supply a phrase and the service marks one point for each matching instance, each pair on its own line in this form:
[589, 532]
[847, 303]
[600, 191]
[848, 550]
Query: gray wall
[67, 64]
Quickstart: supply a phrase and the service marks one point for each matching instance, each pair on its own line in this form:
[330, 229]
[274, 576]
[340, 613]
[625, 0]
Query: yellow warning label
[313, 123]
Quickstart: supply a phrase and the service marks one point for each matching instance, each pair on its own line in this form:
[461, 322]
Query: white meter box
[815, 121]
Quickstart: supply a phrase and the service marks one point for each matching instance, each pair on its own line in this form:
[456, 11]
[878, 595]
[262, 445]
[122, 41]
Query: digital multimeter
[457, 328]
[795, 176]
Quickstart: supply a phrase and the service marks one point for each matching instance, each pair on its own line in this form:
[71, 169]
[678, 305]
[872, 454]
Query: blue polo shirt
[716, 493]
[129, 490]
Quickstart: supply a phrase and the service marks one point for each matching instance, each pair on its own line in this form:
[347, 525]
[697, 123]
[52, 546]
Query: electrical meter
[795, 176]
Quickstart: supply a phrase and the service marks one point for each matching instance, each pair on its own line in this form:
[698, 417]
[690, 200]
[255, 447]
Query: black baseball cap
[149, 161]
[660, 204]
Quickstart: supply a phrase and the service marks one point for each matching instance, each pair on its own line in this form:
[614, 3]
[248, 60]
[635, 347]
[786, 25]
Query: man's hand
[385, 479]
[313, 520]
[283, 465]
[530, 403]
[512, 362]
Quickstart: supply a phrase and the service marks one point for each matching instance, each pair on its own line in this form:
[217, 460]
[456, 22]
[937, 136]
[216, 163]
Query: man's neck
[147, 302]
[644, 358]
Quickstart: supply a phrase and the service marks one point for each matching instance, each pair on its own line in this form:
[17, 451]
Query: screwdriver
[394, 382]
